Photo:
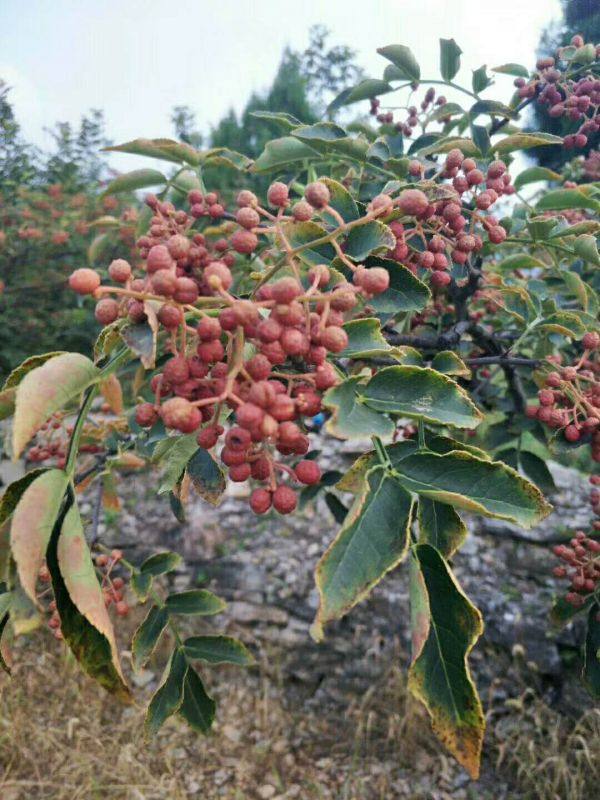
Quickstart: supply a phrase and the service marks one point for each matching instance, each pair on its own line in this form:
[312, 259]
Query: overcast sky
[136, 59]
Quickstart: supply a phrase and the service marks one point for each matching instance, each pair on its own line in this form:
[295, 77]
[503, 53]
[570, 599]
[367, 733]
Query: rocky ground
[334, 719]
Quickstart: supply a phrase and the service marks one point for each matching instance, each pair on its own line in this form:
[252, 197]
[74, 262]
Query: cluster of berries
[576, 100]
[450, 228]
[412, 120]
[51, 216]
[113, 586]
[51, 442]
[582, 557]
[570, 399]
[265, 356]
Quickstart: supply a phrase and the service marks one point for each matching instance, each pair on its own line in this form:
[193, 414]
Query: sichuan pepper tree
[45, 232]
[394, 281]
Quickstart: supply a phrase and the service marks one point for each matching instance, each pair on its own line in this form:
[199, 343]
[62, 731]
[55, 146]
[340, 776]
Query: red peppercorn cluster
[582, 568]
[450, 229]
[415, 115]
[51, 442]
[113, 586]
[575, 100]
[581, 558]
[264, 357]
[570, 399]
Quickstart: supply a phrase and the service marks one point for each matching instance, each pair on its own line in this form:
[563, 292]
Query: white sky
[136, 59]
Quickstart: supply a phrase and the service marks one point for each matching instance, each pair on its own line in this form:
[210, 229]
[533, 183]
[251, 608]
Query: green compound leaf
[440, 526]
[301, 234]
[218, 650]
[84, 619]
[534, 174]
[168, 698]
[198, 708]
[370, 87]
[402, 57]
[560, 199]
[160, 563]
[364, 338]
[450, 54]
[141, 583]
[445, 627]
[420, 392]
[591, 665]
[279, 153]
[371, 237]
[195, 601]
[174, 454]
[147, 635]
[47, 389]
[286, 121]
[164, 149]
[351, 418]
[372, 541]
[586, 247]
[207, 476]
[460, 479]
[518, 70]
[523, 141]
[480, 79]
[447, 362]
[136, 179]
[34, 518]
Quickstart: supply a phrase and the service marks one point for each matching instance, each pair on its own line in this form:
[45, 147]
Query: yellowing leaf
[47, 389]
[32, 523]
[85, 621]
[372, 541]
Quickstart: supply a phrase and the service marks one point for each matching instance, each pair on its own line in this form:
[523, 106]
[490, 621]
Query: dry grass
[60, 738]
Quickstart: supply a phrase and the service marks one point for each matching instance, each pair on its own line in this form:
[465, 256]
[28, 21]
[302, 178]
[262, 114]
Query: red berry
[413, 202]
[170, 317]
[249, 415]
[284, 499]
[260, 501]
[180, 414]
[159, 258]
[572, 433]
[106, 311]
[146, 415]
[244, 241]
[277, 194]
[208, 437]
[302, 211]
[308, 472]
[375, 280]
[119, 270]
[334, 339]
[259, 367]
[317, 194]
[285, 290]
[186, 291]
[239, 472]
[84, 281]
[208, 328]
